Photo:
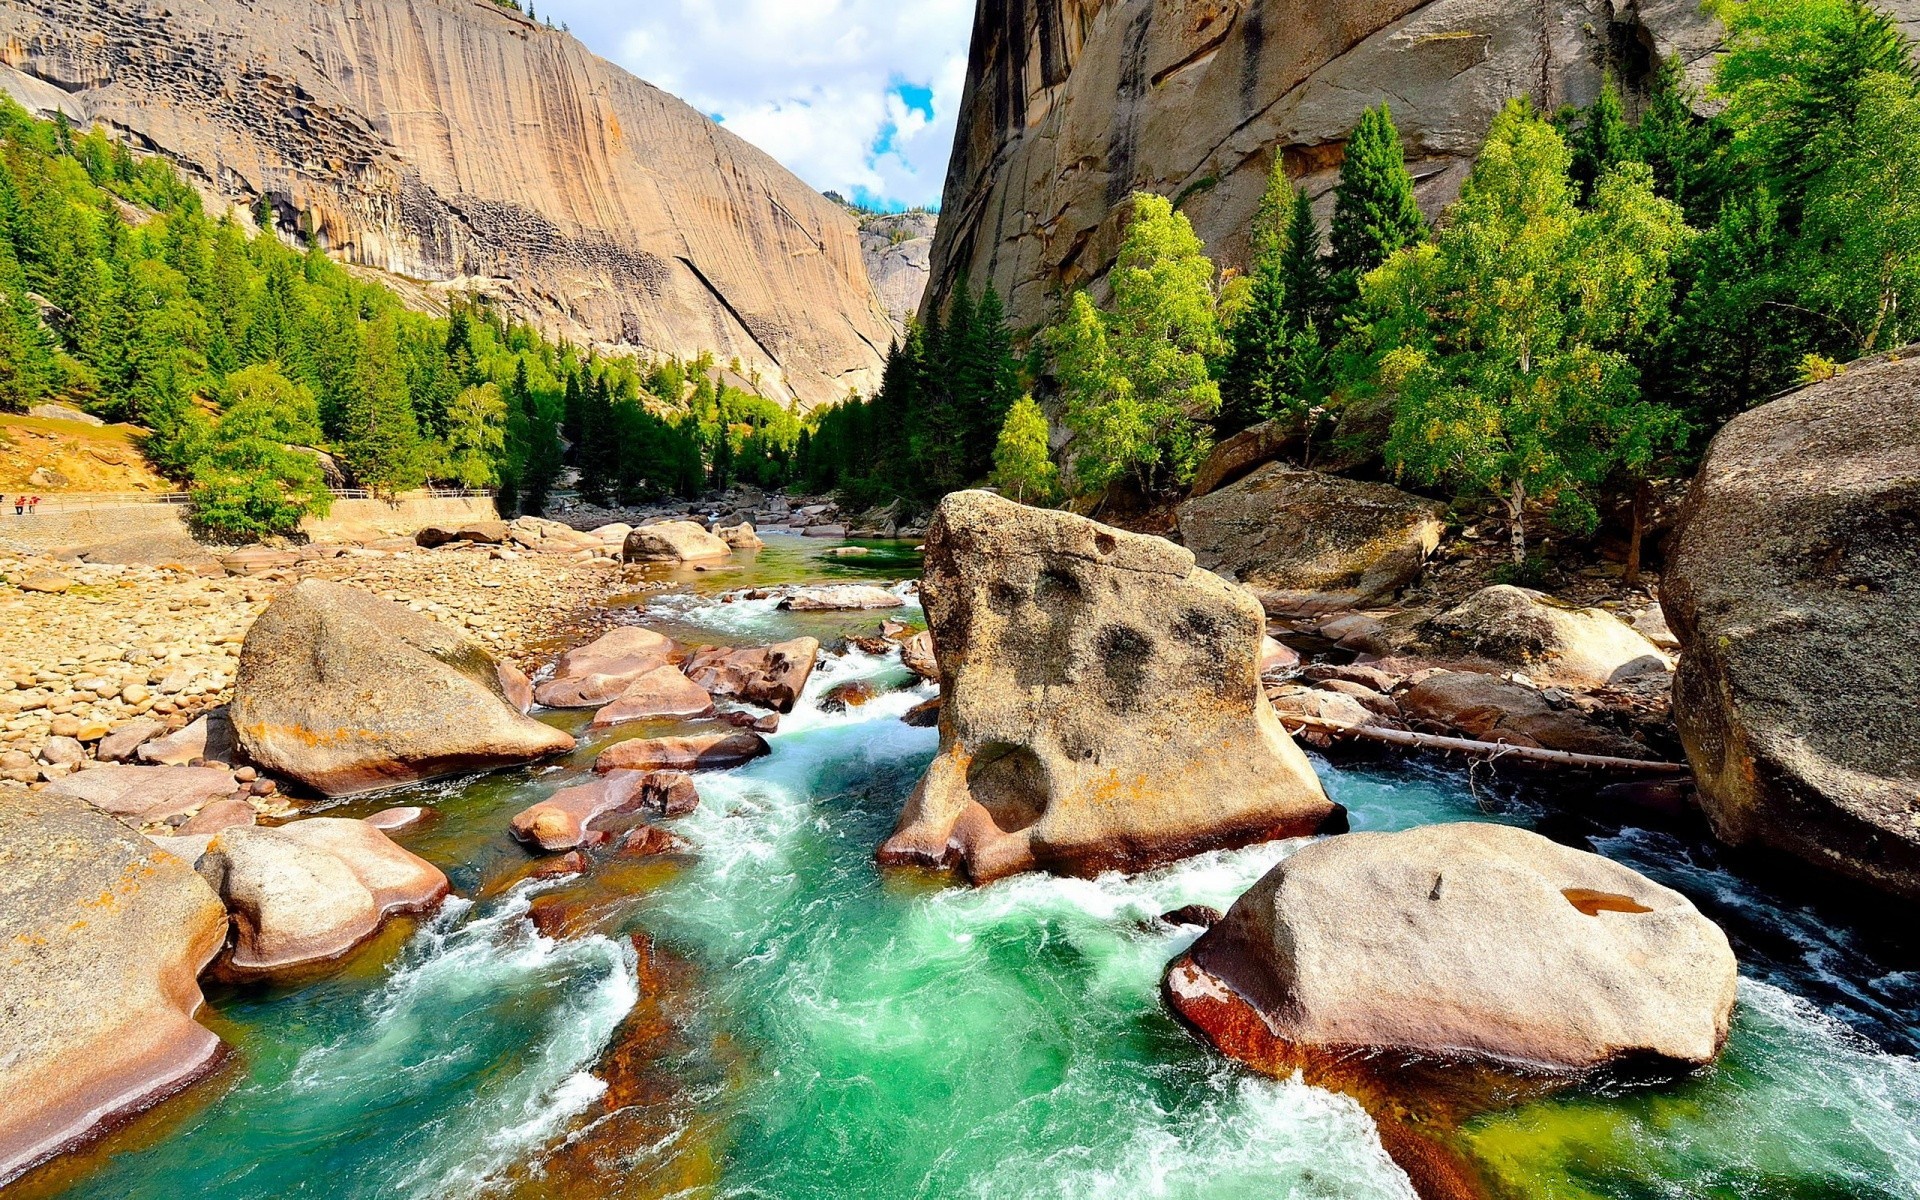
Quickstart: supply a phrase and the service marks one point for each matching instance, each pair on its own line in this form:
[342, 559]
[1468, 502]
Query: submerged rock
[347, 692]
[1795, 588]
[1101, 703]
[102, 938]
[1303, 541]
[695, 752]
[599, 672]
[1550, 638]
[1466, 940]
[671, 542]
[772, 676]
[307, 893]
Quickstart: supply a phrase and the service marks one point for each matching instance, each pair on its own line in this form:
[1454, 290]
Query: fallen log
[1495, 750]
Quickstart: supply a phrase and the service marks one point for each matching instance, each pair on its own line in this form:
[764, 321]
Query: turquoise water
[806, 1026]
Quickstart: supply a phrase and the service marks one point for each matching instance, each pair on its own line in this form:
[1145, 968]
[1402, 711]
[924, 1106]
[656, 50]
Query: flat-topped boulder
[1303, 541]
[1101, 705]
[672, 542]
[597, 673]
[1549, 638]
[142, 794]
[347, 693]
[560, 821]
[1468, 940]
[770, 676]
[840, 597]
[661, 692]
[694, 752]
[308, 893]
[1795, 588]
[102, 938]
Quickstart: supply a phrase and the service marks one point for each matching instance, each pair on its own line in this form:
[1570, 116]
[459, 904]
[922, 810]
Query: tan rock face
[1472, 940]
[672, 542]
[146, 793]
[1073, 105]
[102, 938]
[1794, 588]
[898, 248]
[661, 692]
[1101, 703]
[347, 692]
[463, 144]
[1303, 541]
[1549, 638]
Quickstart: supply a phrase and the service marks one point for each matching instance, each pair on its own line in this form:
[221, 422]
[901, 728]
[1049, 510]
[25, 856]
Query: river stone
[1307, 542]
[1550, 638]
[219, 815]
[695, 752]
[598, 672]
[560, 821]
[840, 597]
[1491, 709]
[515, 687]
[1102, 707]
[739, 537]
[1470, 939]
[43, 580]
[209, 739]
[916, 655]
[347, 693]
[120, 744]
[1795, 588]
[142, 794]
[672, 541]
[309, 892]
[102, 938]
[770, 676]
[661, 692]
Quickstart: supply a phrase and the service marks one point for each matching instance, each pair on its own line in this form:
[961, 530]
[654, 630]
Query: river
[773, 1016]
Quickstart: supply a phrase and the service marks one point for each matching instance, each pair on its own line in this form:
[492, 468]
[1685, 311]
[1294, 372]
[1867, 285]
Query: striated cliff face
[1073, 105]
[899, 250]
[457, 142]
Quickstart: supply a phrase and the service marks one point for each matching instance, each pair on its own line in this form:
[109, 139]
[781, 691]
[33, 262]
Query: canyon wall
[458, 143]
[1073, 105]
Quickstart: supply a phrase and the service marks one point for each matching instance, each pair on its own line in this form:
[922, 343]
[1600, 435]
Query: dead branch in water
[1495, 750]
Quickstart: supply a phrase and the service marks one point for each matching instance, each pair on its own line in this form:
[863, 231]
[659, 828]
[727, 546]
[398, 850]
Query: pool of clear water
[790, 1021]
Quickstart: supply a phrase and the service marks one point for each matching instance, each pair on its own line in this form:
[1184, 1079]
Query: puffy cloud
[854, 96]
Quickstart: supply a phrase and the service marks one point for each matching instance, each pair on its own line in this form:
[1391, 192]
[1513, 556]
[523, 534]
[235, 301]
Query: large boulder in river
[1468, 939]
[661, 692]
[694, 752]
[560, 821]
[673, 542]
[1102, 703]
[347, 692]
[102, 938]
[1549, 638]
[598, 672]
[1795, 588]
[1307, 542]
[308, 892]
[771, 676]
[839, 597]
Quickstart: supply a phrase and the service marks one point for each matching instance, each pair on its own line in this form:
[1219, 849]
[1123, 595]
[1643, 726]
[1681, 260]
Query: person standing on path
[19, 506]
[33, 506]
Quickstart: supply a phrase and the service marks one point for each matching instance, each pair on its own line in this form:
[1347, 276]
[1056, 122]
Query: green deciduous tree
[249, 481]
[1022, 466]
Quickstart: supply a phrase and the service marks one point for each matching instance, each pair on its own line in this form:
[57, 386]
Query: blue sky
[856, 96]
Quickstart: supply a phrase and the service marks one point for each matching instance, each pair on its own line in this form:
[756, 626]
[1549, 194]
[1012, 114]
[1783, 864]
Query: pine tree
[1600, 140]
[379, 439]
[1374, 211]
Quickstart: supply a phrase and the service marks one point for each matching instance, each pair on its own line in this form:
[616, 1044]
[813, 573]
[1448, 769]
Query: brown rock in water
[1204, 915]
[644, 841]
[597, 673]
[560, 821]
[1468, 940]
[916, 655]
[396, 820]
[1303, 541]
[347, 693]
[661, 692]
[672, 542]
[573, 862]
[840, 597]
[1549, 638]
[1491, 709]
[1795, 588]
[1071, 106]
[515, 687]
[444, 140]
[696, 752]
[670, 794]
[843, 696]
[924, 715]
[102, 938]
[309, 892]
[773, 676]
[1101, 705]
[142, 794]
[739, 537]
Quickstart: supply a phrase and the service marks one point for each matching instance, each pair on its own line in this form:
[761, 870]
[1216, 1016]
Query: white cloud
[838, 90]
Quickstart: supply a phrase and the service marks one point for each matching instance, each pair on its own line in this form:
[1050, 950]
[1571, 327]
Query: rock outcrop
[673, 542]
[694, 752]
[771, 676]
[600, 671]
[1101, 703]
[465, 144]
[1305, 542]
[307, 893]
[1467, 940]
[898, 249]
[102, 938]
[661, 692]
[1794, 587]
[141, 794]
[347, 692]
[1073, 105]
[1547, 637]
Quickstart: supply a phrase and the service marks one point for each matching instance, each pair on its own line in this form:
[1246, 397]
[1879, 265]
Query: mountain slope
[458, 142]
